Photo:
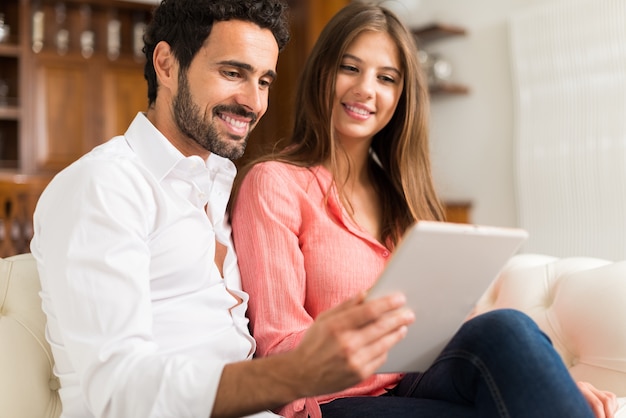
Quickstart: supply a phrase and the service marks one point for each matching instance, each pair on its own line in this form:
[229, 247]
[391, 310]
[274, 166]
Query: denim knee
[503, 327]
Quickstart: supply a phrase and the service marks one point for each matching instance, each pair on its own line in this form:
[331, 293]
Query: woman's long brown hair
[400, 165]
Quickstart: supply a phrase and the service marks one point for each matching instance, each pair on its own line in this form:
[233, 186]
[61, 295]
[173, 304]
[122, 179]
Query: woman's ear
[165, 66]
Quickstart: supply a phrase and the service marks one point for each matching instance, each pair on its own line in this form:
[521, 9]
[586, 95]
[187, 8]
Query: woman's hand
[602, 402]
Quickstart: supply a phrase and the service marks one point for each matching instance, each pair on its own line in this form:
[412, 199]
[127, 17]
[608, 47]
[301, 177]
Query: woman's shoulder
[284, 177]
[281, 170]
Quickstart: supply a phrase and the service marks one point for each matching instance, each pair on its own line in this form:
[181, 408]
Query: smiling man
[140, 284]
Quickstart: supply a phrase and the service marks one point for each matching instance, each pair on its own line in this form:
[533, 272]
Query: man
[146, 317]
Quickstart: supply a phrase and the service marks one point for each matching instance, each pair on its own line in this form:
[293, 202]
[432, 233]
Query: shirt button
[385, 253]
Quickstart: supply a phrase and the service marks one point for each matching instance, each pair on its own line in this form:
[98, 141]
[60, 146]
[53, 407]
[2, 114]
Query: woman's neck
[356, 189]
[352, 165]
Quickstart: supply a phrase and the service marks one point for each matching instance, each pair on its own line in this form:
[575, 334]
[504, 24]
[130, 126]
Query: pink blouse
[300, 254]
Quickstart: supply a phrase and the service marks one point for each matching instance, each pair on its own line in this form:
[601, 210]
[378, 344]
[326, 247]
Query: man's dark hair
[186, 24]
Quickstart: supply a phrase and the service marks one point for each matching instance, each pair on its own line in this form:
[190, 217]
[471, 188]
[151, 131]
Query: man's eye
[231, 74]
[265, 83]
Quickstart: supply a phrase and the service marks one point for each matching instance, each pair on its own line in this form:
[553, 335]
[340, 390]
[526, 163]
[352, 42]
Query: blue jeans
[498, 364]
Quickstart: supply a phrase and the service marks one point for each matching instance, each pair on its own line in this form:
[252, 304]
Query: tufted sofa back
[580, 303]
[28, 388]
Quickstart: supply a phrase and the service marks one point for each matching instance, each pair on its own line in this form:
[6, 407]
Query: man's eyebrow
[357, 59]
[247, 67]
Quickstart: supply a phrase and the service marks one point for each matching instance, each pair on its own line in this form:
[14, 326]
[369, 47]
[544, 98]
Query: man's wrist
[267, 383]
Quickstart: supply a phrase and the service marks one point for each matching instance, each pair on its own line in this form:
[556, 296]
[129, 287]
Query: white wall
[472, 136]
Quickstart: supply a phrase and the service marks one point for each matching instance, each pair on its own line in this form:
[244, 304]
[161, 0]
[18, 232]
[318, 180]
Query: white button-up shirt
[140, 320]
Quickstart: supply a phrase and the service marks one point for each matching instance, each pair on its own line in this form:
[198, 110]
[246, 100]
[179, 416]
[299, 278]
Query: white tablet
[443, 269]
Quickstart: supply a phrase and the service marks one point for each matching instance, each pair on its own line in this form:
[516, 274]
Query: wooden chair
[18, 198]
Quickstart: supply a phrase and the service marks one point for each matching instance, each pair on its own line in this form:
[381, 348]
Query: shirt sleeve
[92, 227]
[266, 220]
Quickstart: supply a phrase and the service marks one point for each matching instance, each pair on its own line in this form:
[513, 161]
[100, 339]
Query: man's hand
[349, 342]
[603, 403]
[345, 345]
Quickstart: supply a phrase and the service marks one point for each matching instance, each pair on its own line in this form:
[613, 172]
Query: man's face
[224, 92]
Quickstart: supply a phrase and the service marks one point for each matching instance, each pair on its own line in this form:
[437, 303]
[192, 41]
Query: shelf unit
[435, 32]
[71, 77]
[63, 59]
[10, 88]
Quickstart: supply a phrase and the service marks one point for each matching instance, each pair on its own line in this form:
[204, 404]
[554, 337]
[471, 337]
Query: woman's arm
[266, 221]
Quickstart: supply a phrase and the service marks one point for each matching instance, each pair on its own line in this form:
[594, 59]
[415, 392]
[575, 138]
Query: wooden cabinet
[61, 111]
[11, 65]
[71, 77]
[74, 70]
[80, 103]
[458, 211]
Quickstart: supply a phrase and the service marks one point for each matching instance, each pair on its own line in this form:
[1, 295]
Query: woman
[316, 222]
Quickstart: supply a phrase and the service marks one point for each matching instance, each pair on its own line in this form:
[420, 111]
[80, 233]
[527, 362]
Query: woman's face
[368, 86]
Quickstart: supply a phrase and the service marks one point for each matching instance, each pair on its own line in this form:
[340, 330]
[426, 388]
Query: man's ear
[165, 66]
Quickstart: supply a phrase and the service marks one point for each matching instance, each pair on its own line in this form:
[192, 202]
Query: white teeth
[234, 122]
[357, 110]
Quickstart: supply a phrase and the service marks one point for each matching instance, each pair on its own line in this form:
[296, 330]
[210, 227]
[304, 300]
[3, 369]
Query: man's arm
[345, 345]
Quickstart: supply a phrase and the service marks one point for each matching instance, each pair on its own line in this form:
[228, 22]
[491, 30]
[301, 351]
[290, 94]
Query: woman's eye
[348, 68]
[387, 79]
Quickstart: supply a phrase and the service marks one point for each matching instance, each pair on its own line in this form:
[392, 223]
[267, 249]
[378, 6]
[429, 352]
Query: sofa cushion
[580, 303]
[28, 387]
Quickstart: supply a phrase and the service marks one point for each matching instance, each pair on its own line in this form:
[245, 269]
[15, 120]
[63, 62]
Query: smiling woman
[368, 86]
[332, 205]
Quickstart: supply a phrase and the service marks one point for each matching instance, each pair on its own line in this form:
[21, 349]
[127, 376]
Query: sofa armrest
[579, 302]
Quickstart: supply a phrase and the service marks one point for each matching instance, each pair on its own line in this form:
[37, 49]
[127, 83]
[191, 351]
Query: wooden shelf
[9, 112]
[436, 31]
[8, 165]
[62, 98]
[9, 50]
[117, 4]
[448, 88]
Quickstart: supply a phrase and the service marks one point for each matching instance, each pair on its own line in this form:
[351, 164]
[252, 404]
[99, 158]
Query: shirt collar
[159, 155]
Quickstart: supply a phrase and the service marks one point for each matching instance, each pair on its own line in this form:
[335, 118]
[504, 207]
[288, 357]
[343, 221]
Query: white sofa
[579, 302]
[28, 388]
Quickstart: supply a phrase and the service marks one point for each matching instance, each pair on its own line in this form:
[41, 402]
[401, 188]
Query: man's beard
[192, 122]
